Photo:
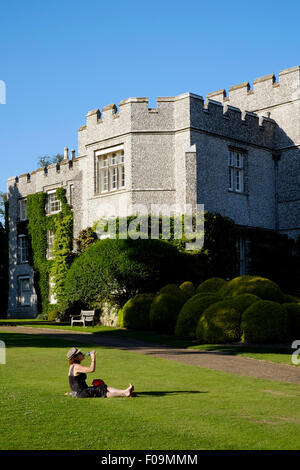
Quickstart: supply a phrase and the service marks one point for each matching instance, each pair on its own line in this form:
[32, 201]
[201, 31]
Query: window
[111, 171]
[50, 243]
[53, 204]
[22, 249]
[22, 209]
[24, 291]
[236, 171]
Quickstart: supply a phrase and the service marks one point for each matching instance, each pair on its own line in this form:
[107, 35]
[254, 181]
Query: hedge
[135, 313]
[293, 311]
[120, 269]
[190, 313]
[213, 284]
[188, 288]
[262, 287]
[164, 310]
[265, 321]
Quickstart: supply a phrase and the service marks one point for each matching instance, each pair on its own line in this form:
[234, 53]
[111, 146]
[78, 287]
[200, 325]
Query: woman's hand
[93, 354]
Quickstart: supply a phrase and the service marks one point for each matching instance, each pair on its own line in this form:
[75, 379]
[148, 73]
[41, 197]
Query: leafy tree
[46, 160]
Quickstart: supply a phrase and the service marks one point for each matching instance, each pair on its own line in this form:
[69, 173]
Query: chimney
[66, 153]
[73, 154]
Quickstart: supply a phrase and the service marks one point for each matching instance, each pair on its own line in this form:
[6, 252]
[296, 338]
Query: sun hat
[73, 352]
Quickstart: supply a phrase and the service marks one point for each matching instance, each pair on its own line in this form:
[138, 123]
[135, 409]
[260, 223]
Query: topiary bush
[191, 311]
[188, 288]
[260, 286]
[213, 284]
[220, 323]
[265, 321]
[164, 310]
[293, 311]
[172, 289]
[135, 313]
[119, 269]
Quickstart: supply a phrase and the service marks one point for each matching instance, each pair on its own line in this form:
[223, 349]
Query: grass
[273, 353]
[177, 406]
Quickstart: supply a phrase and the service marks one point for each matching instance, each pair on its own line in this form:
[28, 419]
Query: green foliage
[135, 313]
[53, 315]
[211, 285]
[293, 310]
[86, 238]
[220, 323]
[190, 313]
[188, 288]
[38, 225]
[120, 269]
[262, 287]
[265, 321]
[164, 310]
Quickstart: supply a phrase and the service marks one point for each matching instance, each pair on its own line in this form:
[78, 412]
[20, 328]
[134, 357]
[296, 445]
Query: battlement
[173, 114]
[265, 92]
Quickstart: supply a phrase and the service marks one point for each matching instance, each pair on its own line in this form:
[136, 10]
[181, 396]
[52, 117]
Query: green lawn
[178, 407]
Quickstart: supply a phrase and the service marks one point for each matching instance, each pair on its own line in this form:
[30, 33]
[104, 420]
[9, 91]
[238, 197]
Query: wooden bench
[85, 316]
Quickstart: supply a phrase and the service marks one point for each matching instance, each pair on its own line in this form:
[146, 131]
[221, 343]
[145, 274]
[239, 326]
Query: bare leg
[115, 392]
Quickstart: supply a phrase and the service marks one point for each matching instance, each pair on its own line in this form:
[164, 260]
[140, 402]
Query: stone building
[237, 154]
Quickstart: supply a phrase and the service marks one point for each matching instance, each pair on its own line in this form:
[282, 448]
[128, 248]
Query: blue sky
[60, 59]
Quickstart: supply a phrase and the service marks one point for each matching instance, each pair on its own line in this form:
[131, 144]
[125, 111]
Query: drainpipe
[276, 158]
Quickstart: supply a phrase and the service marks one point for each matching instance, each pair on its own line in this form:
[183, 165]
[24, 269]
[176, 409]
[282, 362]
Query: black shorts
[93, 392]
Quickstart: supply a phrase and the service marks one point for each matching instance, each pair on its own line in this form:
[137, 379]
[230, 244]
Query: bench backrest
[88, 314]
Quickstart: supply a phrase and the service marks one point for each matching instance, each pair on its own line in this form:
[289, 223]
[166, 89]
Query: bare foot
[131, 390]
[68, 393]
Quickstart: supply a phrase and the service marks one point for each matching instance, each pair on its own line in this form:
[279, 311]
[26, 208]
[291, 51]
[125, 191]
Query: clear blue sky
[60, 59]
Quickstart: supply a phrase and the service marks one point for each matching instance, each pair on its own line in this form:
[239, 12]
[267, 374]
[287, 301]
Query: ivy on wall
[44, 270]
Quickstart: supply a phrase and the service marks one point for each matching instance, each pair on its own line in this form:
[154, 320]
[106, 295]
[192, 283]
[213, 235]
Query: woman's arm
[82, 369]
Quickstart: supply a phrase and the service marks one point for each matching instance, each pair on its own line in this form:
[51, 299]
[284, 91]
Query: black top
[77, 382]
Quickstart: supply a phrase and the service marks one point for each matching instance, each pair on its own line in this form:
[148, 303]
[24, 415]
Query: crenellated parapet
[266, 91]
[174, 114]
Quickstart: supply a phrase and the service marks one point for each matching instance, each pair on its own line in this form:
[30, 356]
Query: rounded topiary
[220, 323]
[188, 288]
[293, 311]
[135, 313]
[243, 301]
[172, 289]
[164, 310]
[265, 321]
[191, 311]
[212, 284]
[260, 286]
[287, 299]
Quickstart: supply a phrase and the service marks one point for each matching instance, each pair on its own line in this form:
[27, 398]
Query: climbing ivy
[38, 225]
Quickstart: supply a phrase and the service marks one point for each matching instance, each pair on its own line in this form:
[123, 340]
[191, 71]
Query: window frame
[50, 244]
[48, 203]
[236, 170]
[20, 291]
[110, 171]
[22, 210]
[23, 249]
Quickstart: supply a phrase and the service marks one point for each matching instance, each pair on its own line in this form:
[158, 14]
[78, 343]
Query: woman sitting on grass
[77, 377]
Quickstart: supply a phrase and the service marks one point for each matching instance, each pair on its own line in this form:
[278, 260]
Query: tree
[46, 160]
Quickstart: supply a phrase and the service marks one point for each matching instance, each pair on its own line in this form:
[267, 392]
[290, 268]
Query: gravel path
[209, 360]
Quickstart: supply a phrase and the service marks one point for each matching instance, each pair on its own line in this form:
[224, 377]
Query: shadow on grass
[163, 394]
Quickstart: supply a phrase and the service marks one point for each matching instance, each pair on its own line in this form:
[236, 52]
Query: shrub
[52, 316]
[220, 323]
[260, 286]
[164, 310]
[243, 301]
[188, 288]
[293, 311]
[190, 313]
[287, 299]
[172, 289]
[213, 284]
[264, 321]
[135, 313]
[120, 269]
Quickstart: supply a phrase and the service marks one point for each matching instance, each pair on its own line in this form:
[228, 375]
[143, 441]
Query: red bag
[97, 382]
